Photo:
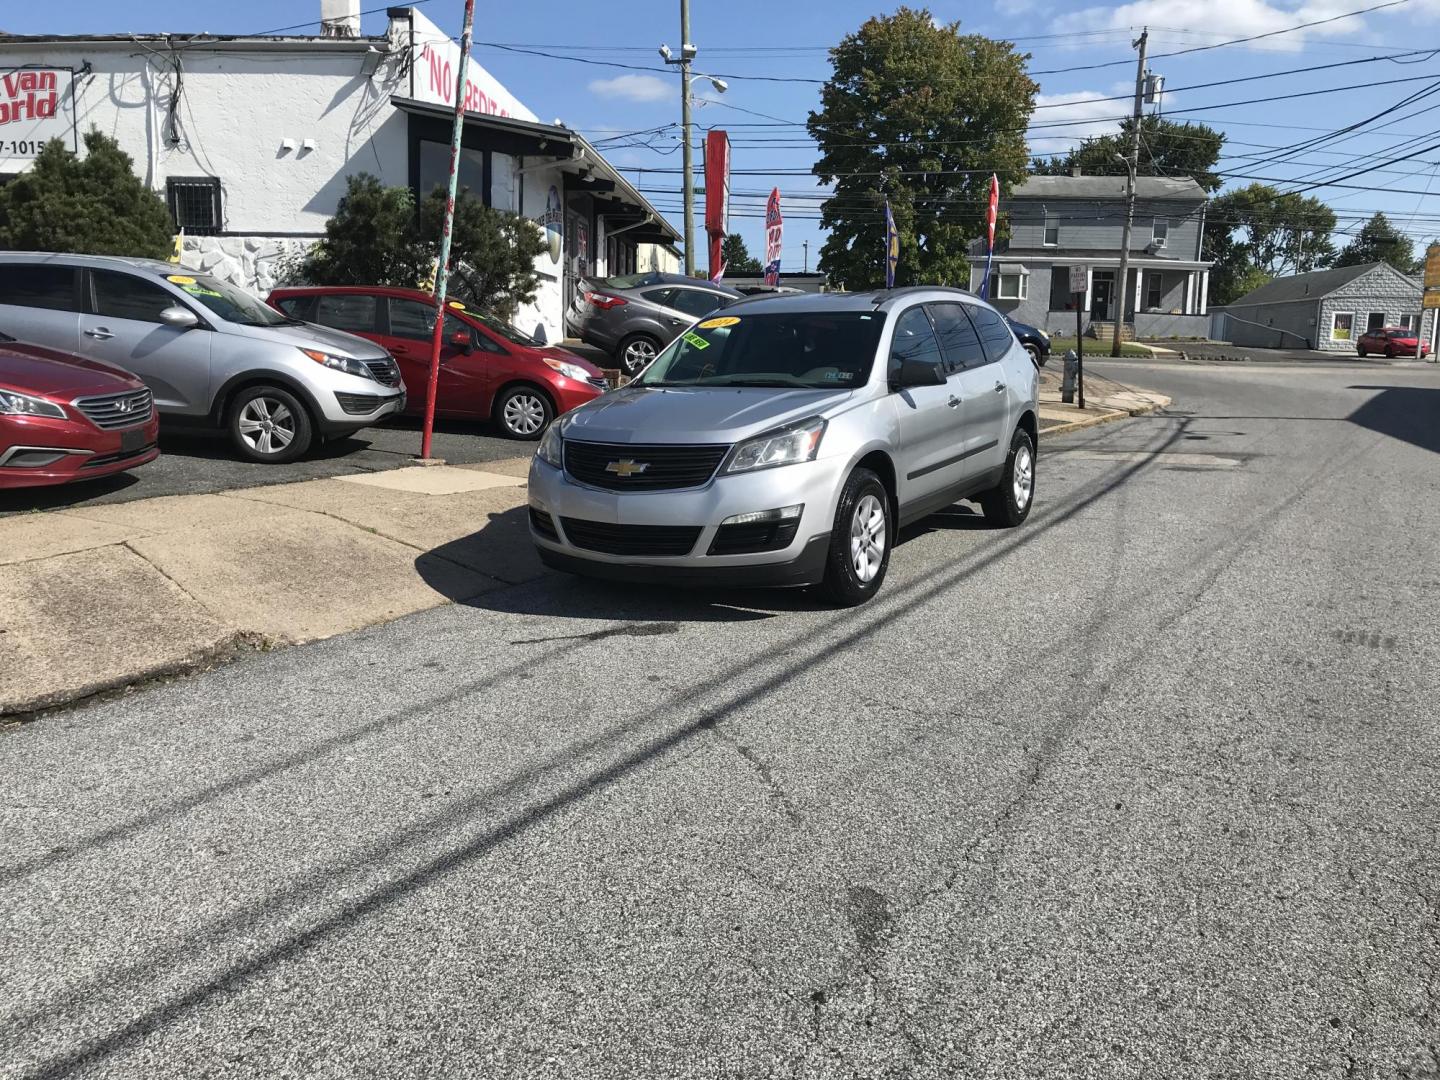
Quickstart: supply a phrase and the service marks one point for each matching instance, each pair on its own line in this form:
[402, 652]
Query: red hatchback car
[488, 369]
[1392, 341]
[64, 418]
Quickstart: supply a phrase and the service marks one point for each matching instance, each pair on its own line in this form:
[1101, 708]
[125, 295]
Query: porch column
[1204, 290]
[1089, 287]
[1139, 292]
[1188, 307]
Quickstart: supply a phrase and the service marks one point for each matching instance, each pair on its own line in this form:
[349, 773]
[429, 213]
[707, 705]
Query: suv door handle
[999, 388]
[100, 333]
[954, 402]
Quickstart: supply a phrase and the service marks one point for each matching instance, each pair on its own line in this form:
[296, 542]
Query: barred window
[195, 204]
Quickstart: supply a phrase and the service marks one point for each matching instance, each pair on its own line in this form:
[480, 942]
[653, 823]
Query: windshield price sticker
[692, 338]
[719, 323]
[181, 279]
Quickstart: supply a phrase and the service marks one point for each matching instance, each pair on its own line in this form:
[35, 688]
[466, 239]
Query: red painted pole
[442, 267]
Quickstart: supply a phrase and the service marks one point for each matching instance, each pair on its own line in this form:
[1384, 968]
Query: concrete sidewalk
[100, 597]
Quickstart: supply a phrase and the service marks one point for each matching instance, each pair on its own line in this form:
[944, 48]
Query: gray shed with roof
[1324, 309]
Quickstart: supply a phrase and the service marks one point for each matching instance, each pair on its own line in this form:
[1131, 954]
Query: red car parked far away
[488, 369]
[64, 418]
[1392, 341]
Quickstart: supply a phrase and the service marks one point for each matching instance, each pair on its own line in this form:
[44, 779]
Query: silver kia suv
[212, 354]
[784, 441]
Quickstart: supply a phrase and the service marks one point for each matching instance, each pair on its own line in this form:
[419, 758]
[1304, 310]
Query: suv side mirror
[181, 318]
[918, 373]
[463, 340]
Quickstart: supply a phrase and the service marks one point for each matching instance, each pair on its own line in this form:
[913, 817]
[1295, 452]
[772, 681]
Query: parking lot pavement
[200, 464]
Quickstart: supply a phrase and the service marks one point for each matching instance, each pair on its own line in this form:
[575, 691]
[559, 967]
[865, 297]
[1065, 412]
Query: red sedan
[488, 368]
[1392, 341]
[64, 418]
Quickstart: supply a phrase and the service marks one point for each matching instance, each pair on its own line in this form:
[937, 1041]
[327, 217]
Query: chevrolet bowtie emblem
[627, 468]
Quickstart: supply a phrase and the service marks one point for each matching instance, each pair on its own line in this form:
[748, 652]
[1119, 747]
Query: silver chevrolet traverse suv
[212, 354]
[784, 441]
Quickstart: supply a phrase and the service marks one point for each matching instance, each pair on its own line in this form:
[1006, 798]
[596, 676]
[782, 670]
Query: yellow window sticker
[720, 322]
[457, 305]
[692, 338]
[181, 279]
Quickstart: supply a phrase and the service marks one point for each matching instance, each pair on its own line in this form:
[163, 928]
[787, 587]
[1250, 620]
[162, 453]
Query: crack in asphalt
[652, 629]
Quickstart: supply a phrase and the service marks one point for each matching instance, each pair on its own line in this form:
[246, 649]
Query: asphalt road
[200, 463]
[1145, 789]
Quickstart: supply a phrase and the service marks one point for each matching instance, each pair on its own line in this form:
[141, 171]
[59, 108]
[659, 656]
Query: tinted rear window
[50, 287]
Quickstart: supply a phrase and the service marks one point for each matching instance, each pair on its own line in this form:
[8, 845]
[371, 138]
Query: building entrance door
[1100, 298]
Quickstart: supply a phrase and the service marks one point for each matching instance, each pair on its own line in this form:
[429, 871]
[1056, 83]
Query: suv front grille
[623, 467]
[386, 371]
[112, 411]
[631, 539]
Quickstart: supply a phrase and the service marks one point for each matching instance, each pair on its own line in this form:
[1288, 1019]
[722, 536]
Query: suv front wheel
[860, 541]
[269, 425]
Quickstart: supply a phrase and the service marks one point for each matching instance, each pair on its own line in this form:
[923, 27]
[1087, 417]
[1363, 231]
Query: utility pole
[1132, 164]
[686, 52]
[805, 246]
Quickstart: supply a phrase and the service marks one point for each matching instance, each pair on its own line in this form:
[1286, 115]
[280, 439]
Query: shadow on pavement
[61, 496]
[1408, 413]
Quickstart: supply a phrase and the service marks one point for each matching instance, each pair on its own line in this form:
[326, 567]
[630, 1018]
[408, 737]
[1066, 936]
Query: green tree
[1257, 232]
[737, 257]
[377, 237]
[1379, 241]
[371, 240]
[492, 252]
[94, 205]
[921, 114]
[1167, 148]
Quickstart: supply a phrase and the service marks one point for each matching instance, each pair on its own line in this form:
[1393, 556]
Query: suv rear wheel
[636, 352]
[860, 541]
[1008, 503]
[269, 424]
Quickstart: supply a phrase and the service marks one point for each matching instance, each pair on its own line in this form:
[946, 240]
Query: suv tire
[860, 542]
[635, 353]
[1035, 357]
[1008, 503]
[268, 424]
[523, 412]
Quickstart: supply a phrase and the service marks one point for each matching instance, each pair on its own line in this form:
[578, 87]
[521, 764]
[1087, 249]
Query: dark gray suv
[634, 316]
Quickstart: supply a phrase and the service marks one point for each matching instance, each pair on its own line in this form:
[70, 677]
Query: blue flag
[892, 247]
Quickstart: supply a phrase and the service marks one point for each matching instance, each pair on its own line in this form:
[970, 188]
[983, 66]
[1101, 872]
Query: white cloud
[633, 88]
[1225, 19]
[1081, 115]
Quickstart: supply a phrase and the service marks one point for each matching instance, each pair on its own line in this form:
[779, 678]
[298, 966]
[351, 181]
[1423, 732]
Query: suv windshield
[230, 302]
[809, 349]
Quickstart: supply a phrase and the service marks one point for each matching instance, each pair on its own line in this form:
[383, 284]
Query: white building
[251, 140]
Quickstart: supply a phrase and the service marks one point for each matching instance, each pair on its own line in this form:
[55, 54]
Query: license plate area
[130, 441]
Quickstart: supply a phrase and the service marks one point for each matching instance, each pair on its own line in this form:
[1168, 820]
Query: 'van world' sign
[36, 105]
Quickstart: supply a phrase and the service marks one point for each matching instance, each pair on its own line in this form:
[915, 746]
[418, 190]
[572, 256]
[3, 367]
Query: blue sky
[740, 38]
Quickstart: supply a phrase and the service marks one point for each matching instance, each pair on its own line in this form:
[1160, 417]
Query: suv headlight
[552, 447]
[786, 446]
[569, 370]
[14, 404]
[347, 364]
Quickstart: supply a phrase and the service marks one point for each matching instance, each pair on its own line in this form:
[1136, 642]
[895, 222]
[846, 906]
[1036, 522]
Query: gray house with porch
[1061, 221]
[1324, 309]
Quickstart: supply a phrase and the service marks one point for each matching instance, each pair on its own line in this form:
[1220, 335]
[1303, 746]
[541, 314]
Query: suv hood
[639, 414]
[313, 336]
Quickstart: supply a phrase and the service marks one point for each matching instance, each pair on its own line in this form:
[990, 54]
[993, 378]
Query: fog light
[785, 513]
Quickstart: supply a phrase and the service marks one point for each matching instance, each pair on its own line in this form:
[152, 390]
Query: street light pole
[686, 52]
[1132, 164]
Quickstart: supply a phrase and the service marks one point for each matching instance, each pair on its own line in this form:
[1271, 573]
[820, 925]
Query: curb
[1096, 421]
[205, 659]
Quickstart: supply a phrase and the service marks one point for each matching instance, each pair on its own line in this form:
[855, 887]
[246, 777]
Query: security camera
[687, 52]
[665, 53]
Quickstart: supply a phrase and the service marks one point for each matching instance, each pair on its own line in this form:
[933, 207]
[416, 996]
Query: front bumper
[87, 453]
[337, 416]
[814, 484]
